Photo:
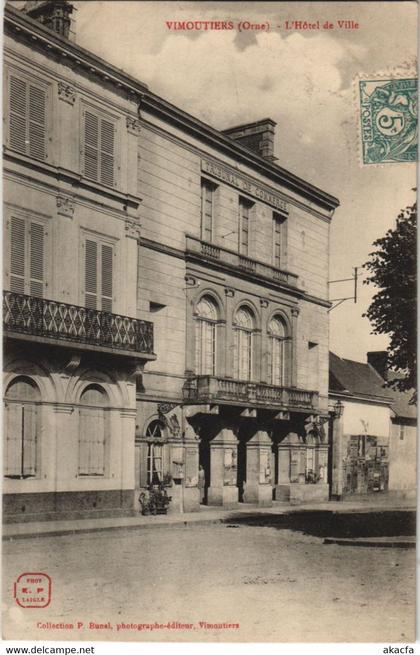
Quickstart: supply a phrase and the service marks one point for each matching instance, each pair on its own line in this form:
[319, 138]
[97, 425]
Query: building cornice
[36, 33]
[366, 398]
[240, 273]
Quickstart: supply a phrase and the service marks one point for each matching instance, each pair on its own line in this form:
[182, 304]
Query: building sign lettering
[243, 184]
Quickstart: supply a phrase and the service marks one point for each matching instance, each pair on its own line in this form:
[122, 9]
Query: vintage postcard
[209, 321]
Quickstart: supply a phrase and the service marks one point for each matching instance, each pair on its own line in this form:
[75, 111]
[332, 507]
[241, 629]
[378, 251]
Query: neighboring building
[360, 425]
[403, 437]
[73, 342]
[231, 270]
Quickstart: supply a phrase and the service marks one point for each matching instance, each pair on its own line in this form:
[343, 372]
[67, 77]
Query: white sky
[304, 81]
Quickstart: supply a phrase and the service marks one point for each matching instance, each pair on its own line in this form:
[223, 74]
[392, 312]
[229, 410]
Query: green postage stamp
[388, 120]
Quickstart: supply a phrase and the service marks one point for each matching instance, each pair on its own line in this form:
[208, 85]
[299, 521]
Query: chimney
[258, 137]
[54, 14]
[379, 360]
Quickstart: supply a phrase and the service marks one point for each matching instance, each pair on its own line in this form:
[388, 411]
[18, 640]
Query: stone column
[191, 490]
[223, 488]
[337, 455]
[258, 487]
[289, 465]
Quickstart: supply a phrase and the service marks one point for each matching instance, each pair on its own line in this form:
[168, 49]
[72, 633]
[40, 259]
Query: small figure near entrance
[201, 483]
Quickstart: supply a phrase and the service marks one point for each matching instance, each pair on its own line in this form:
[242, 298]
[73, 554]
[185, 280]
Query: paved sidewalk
[31, 529]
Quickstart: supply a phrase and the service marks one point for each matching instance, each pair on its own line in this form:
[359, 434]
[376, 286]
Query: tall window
[205, 337]
[92, 431]
[243, 343]
[27, 247]
[207, 209]
[27, 117]
[245, 207]
[155, 433]
[99, 134]
[277, 350]
[22, 425]
[279, 239]
[98, 274]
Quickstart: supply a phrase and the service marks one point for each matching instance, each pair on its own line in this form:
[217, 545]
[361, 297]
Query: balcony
[49, 321]
[234, 261]
[209, 389]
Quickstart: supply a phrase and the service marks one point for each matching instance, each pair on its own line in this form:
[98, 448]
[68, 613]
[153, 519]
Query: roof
[401, 406]
[357, 379]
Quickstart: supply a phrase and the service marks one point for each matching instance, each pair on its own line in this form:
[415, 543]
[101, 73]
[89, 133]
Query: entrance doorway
[204, 469]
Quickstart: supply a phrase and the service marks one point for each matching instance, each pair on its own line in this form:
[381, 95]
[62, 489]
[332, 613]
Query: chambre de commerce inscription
[260, 26]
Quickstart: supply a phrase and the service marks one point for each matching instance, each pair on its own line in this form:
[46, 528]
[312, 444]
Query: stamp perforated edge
[407, 70]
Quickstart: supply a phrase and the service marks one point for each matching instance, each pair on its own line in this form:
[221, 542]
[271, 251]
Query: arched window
[277, 350]
[22, 427]
[93, 431]
[155, 433]
[205, 337]
[243, 343]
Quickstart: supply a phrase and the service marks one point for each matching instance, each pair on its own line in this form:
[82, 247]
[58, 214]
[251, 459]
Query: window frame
[241, 334]
[211, 188]
[83, 407]
[100, 240]
[34, 403]
[249, 205]
[279, 248]
[101, 114]
[44, 85]
[28, 217]
[202, 324]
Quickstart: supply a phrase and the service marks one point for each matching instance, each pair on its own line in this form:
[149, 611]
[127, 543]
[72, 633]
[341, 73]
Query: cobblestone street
[277, 584]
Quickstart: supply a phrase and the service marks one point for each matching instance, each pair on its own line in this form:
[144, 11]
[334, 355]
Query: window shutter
[29, 440]
[37, 111]
[91, 145]
[106, 274]
[12, 453]
[17, 114]
[91, 274]
[17, 255]
[107, 152]
[37, 260]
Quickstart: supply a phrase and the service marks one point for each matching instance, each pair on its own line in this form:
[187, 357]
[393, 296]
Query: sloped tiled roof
[357, 379]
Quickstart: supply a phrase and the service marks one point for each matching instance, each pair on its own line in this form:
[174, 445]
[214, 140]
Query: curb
[370, 543]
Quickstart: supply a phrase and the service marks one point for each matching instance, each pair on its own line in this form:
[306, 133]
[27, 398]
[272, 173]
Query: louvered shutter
[29, 440]
[106, 281]
[91, 274]
[17, 255]
[91, 156]
[18, 114]
[13, 440]
[107, 152]
[92, 442]
[37, 119]
[36, 285]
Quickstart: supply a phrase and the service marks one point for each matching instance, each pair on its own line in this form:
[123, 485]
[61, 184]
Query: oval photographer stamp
[33, 590]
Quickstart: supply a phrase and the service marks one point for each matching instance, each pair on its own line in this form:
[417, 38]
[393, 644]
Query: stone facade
[74, 344]
[243, 428]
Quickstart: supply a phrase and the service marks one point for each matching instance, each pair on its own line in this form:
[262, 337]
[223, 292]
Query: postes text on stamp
[388, 120]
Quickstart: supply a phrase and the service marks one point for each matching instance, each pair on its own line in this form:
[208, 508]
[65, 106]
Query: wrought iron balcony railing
[224, 256]
[60, 321]
[207, 388]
